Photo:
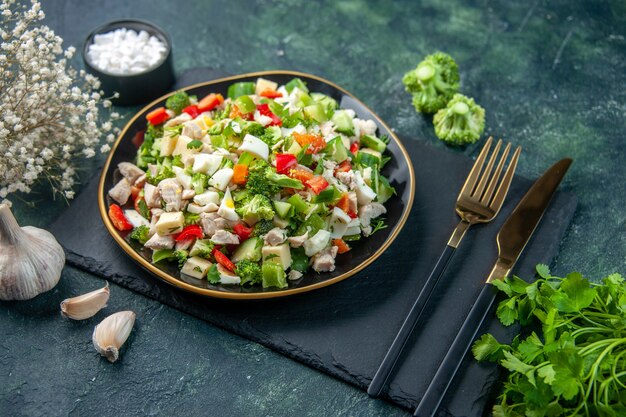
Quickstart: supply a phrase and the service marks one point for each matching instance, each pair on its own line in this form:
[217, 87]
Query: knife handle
[391, 358]
[448, 368]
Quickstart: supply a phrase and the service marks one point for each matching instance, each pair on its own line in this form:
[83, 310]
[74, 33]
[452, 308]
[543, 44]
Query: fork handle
[391, 358]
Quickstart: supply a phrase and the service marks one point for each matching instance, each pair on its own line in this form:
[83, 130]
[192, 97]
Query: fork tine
[470, 182]
[498, 199]
[487, 172]
[496, 176]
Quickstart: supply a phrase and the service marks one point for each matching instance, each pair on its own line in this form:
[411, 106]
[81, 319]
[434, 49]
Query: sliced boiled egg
[227, 208]
[255, 146]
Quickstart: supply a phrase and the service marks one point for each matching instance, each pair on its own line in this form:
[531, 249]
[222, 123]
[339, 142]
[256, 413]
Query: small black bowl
[134, 88]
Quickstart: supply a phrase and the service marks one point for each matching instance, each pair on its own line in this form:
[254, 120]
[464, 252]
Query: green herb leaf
[194, 144]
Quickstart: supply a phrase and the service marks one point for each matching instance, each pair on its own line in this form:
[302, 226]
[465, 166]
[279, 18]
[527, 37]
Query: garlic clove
[87, 305]
[109, 336]
[31, 260]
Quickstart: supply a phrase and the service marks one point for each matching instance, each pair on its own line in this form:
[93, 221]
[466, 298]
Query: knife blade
[512, 239]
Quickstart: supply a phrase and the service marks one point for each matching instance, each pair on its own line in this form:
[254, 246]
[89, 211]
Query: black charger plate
[399, 171]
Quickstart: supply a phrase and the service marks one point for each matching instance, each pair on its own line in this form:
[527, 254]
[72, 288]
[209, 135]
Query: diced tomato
[210, 102]
[317, 184]
[342, 247]
[352, 214]
[343, 203]
[345, 166]
[242, 231]
[240, 174]
[354, 147]
[223, 260]
[193, 231]
[264, 109]
[316, 142]
[134, 192]
[192, 110]
[138, 138]
[119, 220]
[300, 174]
[284, 161]
[269, 93]
[157, 116]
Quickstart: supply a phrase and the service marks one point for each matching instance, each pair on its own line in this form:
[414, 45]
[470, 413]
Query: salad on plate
[255, 188]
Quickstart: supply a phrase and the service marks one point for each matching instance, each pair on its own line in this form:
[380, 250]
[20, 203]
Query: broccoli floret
[262, 227]
[177, 101]
[181, 257]
[461, 122]
[249, 272]
[199, 182]
[258, 208]
[202, 248]
[252, 128]
[257, 182]
[141, 234]
[433, 82]
[153, 132]
[165, 172]
[271, 135]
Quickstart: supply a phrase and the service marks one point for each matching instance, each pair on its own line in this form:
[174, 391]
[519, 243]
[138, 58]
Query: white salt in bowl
[131, 57]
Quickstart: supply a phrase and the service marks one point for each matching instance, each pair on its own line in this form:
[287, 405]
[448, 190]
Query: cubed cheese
[168, 143]
[181, 146]
[196, 267]
[262, 84]
[207, 163]
[170, 223]
[278, 254]
[221, 178]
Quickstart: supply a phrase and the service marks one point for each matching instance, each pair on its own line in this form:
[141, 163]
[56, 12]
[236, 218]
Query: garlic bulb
[112, 332]
[86, 305]
[31, 260]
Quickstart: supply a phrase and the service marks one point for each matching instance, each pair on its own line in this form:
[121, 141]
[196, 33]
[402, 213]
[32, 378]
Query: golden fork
[479, 201]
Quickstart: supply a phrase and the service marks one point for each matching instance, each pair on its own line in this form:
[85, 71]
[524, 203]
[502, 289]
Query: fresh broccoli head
[262, 227]
[258, 183]
[249, 272]
[202, 248]
[177, 102]
[141, 234]
[181, 257]
[433, 82]
[258, 208]
[461, 122]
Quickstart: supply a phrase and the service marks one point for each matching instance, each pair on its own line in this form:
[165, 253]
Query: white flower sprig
[49, 112]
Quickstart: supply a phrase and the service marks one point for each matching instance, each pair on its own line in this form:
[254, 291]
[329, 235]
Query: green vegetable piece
[249, 272]
[298, 203]
[273, 275]
[258, 183]
[284, 181]
[313, 224]
[219, 141]
[368, 158]
[283, 209]
[177, 102]
[328, 103]
[461, 122]
[245, 158]
[296, 82]
[202, 248]
[199, 182]
[384, 190]
[194, 144]
[316, 112]
[250, 249]
[239, 89]
[433, 82]
[373, 143]
[143, 208]
[213, 275]
[329, 195]
[299, 260]
[336, 150]
[245, 104]
[141, 234]
[343, 122]
[351, 238]
[258, 208]
[162, 254]
[262, 227]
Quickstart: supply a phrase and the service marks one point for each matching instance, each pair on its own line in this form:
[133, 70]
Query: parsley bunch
[576, 365]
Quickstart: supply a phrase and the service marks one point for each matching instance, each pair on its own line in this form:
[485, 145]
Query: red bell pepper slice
[210, 102]
[193, 231]
[119, 220]
[299, 174]
[317, 184]
[242, 231]
[284, 161]
[354, 147]
[345, 166]
[344, 203]
[157, 116]
[223, 260]
[352, 214]
[270, 93]
[264, 109]
[342, 247]
[192, 110]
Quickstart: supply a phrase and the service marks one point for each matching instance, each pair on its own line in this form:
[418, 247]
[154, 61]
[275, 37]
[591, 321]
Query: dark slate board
[345, 329]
